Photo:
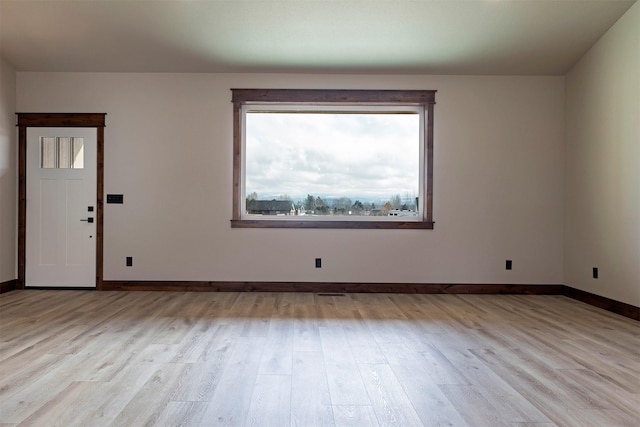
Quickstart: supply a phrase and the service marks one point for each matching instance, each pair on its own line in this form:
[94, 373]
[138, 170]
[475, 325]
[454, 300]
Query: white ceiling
[507, 37]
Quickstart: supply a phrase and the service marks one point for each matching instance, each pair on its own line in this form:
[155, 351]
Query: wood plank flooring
[82, 358]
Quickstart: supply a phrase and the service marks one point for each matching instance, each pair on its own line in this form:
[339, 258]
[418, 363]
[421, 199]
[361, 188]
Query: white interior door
[61, 207]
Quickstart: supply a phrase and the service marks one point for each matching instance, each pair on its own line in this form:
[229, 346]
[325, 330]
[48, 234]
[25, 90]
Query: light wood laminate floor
[81, 358]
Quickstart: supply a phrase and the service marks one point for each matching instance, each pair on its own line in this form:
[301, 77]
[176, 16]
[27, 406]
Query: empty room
[320, 213]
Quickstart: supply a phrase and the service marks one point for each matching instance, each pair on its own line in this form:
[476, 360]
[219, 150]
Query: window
[333, 158]
[61, 152]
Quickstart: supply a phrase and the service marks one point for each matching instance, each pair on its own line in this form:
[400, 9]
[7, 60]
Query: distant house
[270, 207]
[402, 212]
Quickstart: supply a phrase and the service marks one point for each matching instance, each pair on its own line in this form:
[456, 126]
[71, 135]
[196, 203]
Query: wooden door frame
[76, 120]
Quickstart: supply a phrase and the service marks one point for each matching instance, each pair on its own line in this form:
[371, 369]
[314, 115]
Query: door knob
[87, 220]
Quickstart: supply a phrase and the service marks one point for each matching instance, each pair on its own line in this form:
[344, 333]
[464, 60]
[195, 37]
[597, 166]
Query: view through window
[341, 164]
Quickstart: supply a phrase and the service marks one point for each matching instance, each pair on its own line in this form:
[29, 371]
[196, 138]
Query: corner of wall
[8, 173]
[602, 170]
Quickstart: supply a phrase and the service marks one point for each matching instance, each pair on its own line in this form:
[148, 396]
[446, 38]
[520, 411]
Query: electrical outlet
[129, 261]
[318, 262]
[509, 264]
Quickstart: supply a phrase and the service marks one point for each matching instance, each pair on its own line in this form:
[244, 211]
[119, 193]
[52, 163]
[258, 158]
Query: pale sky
[367, 156]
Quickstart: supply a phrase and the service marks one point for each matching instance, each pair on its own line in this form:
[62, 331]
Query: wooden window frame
[423, 98]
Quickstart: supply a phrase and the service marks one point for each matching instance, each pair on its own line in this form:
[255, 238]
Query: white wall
[498, 181]
[8, 173]
[602, 210]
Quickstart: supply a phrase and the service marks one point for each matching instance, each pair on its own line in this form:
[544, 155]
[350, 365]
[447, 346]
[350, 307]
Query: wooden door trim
[27, 120]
